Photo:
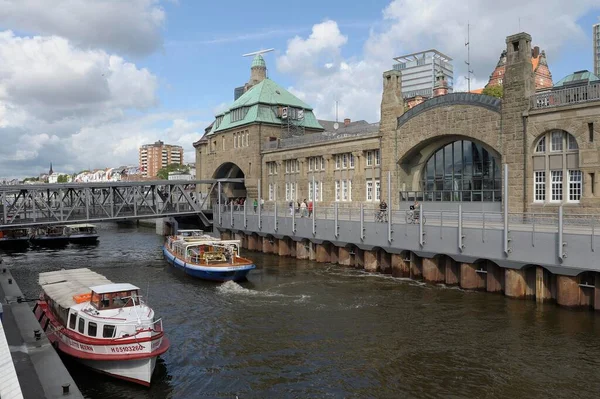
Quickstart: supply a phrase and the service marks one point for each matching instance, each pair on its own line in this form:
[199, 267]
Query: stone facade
[508, 129]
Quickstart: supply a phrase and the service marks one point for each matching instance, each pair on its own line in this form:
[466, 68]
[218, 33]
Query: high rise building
[420, 72]
[155, 156]
[596, 41]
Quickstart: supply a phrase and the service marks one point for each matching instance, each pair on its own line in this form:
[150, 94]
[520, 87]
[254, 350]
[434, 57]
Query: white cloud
[322, 76]
[131, 26]
[73, 107]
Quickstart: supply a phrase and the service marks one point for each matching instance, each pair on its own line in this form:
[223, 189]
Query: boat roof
[80, 226]
[61, 285]
[214, 242]
[190, 231]
[113, 287]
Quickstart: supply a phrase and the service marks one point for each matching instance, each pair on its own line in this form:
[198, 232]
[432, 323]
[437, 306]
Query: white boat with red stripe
[104, 325]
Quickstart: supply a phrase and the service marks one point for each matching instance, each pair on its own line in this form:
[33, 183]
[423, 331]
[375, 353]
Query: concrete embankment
[40, 371]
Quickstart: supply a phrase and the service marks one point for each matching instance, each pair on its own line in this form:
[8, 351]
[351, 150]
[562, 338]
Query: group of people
[304, 208]
[382, 215]
[236, 203]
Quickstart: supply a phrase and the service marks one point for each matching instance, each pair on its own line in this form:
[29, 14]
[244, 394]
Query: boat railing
[155, 326]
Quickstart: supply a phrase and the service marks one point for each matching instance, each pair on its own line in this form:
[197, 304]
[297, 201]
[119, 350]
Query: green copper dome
[259, 61]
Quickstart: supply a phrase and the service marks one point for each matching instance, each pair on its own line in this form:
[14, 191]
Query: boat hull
[131, 364]
[51, 242]
[14, 243]
[137, 371]
[83, 238]
[220, 274]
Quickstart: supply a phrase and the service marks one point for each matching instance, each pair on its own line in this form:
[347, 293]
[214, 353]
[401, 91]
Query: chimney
[535, 52]
[346, 122]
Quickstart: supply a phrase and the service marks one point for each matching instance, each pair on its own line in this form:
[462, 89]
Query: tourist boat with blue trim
[82, 233]
[14, 239]
[49, 236]
[206, 257]
[103, 325]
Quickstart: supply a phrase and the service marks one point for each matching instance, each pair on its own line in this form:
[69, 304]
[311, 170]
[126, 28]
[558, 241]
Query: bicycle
[412, 216]
[381, 216]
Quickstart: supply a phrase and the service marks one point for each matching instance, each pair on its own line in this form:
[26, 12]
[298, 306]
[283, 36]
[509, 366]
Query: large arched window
[556, 177]
[462, 171]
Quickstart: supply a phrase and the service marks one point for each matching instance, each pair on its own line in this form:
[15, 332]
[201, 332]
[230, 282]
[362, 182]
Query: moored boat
[14, 239]
[82, 233]
[49, 236]
[207, 257]
[103, 325]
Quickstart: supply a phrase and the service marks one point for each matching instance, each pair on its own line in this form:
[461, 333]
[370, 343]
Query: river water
[298, 329]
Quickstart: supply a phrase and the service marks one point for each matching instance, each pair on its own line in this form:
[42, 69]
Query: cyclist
[382, 211]
[417, 210]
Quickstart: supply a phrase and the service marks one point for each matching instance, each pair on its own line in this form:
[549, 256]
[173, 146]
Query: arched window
[556, 177]
[462, 171]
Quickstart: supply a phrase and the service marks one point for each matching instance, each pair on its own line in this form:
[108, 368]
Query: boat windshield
[114, 300]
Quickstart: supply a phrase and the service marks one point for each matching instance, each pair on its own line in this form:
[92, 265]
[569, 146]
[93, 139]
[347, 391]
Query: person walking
[291, 208]
[255, 204]
[310, 208]
[302, 209]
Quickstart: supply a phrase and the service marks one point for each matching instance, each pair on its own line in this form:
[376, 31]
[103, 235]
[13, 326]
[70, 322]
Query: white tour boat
[82, 233]
[103, 325]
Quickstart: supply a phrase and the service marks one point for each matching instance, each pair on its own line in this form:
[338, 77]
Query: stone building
[446, 150]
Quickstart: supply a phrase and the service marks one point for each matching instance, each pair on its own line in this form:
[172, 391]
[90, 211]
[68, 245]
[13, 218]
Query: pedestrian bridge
[48, 204]
[562, 244]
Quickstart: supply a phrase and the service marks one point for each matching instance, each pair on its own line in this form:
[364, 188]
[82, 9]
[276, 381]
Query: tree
[163, 173]
[62, 179]
[494, 91]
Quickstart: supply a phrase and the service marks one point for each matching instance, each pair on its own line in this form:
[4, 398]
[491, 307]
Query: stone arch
[230, 170]
[414, 164]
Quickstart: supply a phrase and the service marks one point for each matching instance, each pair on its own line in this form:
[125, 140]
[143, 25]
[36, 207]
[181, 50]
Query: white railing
[563, 97]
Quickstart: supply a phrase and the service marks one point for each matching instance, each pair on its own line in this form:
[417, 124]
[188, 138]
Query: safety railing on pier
[532, 222]
[569, 96]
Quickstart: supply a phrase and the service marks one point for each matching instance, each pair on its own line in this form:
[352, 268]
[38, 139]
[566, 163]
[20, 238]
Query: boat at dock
[14, 239]
[103, 325]
[207, 257]
[49, 236]
[82, 233]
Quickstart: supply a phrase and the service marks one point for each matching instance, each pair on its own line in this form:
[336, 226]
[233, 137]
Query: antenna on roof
[258, 52]
[468, 61]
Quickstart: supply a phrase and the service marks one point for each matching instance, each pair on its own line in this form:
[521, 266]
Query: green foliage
[62, 179]
[494, 91]
[31, 179]
[163, 173]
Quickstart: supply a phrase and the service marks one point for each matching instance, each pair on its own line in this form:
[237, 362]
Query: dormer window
[238, 114]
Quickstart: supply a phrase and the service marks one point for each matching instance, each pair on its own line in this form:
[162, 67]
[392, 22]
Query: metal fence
[562, 97]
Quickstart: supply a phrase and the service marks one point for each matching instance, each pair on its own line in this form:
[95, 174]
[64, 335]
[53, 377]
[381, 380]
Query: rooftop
[578, 78]
[423, 54]
[115, 287]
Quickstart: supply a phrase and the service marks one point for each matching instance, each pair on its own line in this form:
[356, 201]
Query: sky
[84, 83]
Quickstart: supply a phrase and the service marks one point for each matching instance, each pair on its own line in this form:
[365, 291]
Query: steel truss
[47, 204]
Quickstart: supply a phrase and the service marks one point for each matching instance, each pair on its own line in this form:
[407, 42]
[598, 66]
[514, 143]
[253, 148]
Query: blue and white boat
[207, 257]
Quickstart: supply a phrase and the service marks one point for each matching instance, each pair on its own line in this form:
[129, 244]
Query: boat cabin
[81, 229]
[50, 231]
[205, 252]
[114, 296]
[190, 233]
[14, 233]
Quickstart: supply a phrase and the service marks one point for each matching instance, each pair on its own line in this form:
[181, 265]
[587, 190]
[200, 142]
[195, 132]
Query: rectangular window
[575, 183]
[297, 165]
[223, 142]
[349, 190]
[557, 185]
[92, 329]
[369, 194]
[322, 163]
[338, 161]
[72, 320]
[344, 190]
[377, 190]
[247, 137]
[319, 191]
[108, 331]
[81, 325]
[337, 190]
[287, 166]
[288, 197]
[311, 163]
[351, 160]
[310, 191]
[539, 186]
[369, 158]
[344, 161]
[572, 142]
[271, 191]
[235, 140]
[591, 132]
[377, 157]
[557, 141]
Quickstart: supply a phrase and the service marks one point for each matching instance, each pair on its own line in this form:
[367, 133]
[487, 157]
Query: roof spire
[50, 171]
